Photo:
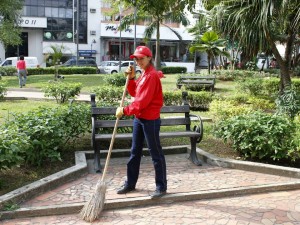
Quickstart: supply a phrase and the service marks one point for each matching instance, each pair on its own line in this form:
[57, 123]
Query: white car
[125, 64]
[109, 67]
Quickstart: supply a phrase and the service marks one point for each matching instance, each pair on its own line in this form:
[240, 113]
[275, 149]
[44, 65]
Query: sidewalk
[219, 192]
[33, 93]
[234, 193]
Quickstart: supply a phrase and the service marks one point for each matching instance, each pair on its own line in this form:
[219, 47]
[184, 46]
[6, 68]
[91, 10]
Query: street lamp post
[93, 42]
[77, 32]
[120, 38]
[134, 40]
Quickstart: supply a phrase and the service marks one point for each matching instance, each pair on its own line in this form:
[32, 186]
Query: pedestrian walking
[148, 100]
[22, 71]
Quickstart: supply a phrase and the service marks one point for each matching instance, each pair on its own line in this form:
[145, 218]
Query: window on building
[59, 13]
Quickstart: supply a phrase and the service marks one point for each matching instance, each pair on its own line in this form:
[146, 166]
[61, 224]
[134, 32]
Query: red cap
[141, 51]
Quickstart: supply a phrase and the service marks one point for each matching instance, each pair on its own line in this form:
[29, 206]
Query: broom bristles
[92, 209]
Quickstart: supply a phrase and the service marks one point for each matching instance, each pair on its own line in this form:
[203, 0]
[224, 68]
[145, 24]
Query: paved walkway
[209, 194]
[33, 93]
[276, 207]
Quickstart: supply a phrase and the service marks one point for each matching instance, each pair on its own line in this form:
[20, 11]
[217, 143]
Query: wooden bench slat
[128, 136]
[165, 109]
[129, 123]
[197, 82]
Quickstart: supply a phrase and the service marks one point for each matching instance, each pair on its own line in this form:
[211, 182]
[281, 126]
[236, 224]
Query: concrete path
[219, 192]
[33, 93]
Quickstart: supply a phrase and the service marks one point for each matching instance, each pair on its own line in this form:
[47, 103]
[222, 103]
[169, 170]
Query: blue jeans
[149, 130]
[22, 77]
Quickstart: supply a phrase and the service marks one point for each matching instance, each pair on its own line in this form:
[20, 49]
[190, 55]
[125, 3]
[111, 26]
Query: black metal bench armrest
[198, 128]
[93, 132]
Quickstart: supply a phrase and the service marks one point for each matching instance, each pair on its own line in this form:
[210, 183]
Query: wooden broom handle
[114, 132]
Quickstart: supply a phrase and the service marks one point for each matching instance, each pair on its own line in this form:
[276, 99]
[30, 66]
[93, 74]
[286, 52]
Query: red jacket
[148, 96]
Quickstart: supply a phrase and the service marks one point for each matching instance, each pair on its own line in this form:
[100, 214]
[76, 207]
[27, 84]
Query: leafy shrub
[230, 75]
[173, 69]
[252, 86]
[61, 91]
[224, 109]
[13, 146]
[62, 70]
[238, 98]
[260, 135]
[261, 104]
[288, 103]
[110, 94]
[297, 133]
[47, 130]
[3, 89]
[8, 71]
[271, 87]
[200, 100]
[115, 80]
[172, 97]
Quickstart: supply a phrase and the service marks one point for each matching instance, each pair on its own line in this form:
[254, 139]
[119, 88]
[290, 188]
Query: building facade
[49, 24]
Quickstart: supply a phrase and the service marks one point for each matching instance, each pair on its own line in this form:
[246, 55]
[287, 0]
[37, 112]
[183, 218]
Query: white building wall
[2, 52]
[94, 25]
[35, 45]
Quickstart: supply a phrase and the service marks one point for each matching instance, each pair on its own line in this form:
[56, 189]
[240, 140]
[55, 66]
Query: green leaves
[260, 135]
[61, 91]
[40, 135]
[10, 19]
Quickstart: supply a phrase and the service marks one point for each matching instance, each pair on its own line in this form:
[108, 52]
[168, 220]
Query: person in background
[148, 100]
[22, 71]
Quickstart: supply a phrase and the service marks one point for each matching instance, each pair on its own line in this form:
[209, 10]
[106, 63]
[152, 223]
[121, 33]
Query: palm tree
[212, 45]
[56, 53]
[259, 25]
[158, 11]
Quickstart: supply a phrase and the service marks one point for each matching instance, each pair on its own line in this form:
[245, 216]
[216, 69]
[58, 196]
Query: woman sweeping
[148, 100]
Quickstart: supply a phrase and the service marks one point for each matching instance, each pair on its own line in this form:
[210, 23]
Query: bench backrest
[182, 111]
[198, 77]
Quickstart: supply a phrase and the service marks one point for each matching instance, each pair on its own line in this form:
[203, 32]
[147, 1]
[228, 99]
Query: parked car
[109, 67]
[81, 62]
[31, 62]
[125, 64]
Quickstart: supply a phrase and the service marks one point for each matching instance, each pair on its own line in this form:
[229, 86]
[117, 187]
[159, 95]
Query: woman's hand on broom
[119, 112]
[130, 72]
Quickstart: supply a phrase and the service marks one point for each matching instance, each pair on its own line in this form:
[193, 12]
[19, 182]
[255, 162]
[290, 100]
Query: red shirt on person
[21, 65]
[148, 96]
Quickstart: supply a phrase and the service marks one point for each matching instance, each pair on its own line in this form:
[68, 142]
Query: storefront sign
[86, 52]
[37, 22]
[115, 28]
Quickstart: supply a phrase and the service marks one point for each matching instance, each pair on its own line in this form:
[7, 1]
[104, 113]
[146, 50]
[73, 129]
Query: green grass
[40, 81]
[20, 106]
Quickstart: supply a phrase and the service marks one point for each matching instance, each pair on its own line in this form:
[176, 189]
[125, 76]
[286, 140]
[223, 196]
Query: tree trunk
[208, 60]
[157, 54]
[284, 64]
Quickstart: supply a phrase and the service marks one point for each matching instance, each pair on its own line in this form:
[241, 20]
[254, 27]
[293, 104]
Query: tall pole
[120, 38]
[134, 40]
[77, 32]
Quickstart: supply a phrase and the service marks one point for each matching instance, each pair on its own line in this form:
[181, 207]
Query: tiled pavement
[278, 207]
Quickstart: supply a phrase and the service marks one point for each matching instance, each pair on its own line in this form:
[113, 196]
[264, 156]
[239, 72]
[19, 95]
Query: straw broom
[92, 209]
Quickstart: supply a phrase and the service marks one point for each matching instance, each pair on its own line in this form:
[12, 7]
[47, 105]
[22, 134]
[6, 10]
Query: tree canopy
[9, 22]
[158, 11]
[259, 25]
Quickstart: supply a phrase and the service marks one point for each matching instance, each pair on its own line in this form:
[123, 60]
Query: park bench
[207, 82]
[99, 123]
